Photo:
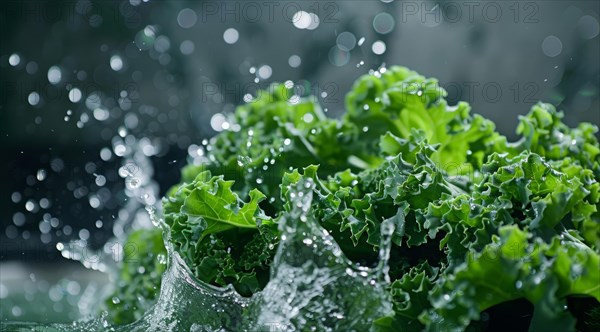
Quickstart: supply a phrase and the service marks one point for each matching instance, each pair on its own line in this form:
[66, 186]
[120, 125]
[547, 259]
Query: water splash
[313, 286]
[184, 304]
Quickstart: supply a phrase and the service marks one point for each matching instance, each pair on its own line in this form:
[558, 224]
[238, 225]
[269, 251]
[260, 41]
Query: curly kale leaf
[401, 100]
[208, 221]
[517, 265]
[410, 296]
[545, 134]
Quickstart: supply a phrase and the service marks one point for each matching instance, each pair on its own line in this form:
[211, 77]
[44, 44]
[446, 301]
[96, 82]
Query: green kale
[478, 221]
[223, 239]
[139, 276]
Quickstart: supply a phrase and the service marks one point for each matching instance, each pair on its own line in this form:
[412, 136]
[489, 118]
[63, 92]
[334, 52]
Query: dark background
[501, 56]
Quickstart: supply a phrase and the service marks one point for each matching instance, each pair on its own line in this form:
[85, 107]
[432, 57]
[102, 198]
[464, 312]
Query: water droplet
[16, 311]
[383, 23]
[124, 172]
[294, 61]
[346, 41]
[187, 47]
[84, 234]
[588, 26]
[552, 46]
[264, 72]
[14, 59]
[100, 180]
[387, 228]
[303, 20]
[338, 57]
[120, 150]
[133, 183]
[187, 18]
[30, 206]
[116, 63]
[378, 47]
[54, 75]
[308, 117]
[101, 114]
[33, 98]
[231, 36]
[41, 174]
[75, 95]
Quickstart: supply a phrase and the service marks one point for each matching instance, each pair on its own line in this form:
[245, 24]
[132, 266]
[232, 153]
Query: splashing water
[313, 286]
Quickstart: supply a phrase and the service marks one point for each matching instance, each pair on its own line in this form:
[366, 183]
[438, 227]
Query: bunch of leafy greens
[485, 230]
